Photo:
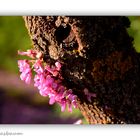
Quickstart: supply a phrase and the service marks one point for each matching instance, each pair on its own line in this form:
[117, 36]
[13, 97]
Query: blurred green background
[20, 103]
[134, 31]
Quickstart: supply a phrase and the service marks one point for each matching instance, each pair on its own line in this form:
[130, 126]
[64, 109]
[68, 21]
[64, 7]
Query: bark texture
[97, 53]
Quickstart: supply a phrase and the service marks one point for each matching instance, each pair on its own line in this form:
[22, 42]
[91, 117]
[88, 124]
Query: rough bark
[97, 53]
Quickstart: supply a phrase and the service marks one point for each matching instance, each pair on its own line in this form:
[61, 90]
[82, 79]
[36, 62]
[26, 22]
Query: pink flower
[52, 100]
[69, 107]
[38, 68]
[30, 53]
[58, 66]
[89, 95]
[63, 105]
[25, 70]
[52, 70]
[48, 80]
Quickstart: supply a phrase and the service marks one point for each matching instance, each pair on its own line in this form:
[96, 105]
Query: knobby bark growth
[97, 53]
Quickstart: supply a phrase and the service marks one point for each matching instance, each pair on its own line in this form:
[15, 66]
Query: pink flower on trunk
[48, 85]
[47, 79]
[89, 94]
[25, 70]
[30, 53]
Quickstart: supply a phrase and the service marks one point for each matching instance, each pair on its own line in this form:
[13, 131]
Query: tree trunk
[97, 54]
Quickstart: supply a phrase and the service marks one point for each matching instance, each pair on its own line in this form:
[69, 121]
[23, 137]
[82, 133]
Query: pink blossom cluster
[25, 70]
[47, 79]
